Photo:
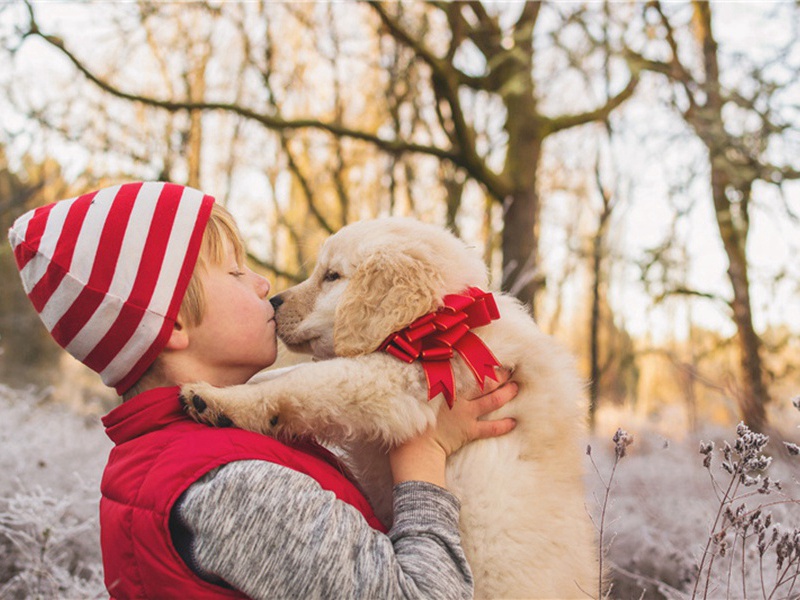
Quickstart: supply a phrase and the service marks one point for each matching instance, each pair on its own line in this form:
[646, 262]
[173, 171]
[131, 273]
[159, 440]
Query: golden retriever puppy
[525, 528]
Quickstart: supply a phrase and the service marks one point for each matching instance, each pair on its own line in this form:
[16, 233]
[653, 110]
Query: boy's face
[236, 337]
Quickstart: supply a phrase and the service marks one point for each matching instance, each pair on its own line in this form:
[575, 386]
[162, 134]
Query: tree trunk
[521, 215]
[197, 92]
[520, 276]
[753, 394]
[594, 332]
[727, 176]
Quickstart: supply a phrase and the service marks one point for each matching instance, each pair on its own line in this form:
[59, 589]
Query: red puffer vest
[159, 453]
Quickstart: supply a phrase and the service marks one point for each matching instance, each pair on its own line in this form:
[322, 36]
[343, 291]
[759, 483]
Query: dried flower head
[793, 449]
[784, 548]
[622, 439]
[706, 449]
[748, 481]
[748, 449]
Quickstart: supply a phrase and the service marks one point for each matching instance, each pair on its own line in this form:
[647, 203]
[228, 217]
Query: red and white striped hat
[107, 271]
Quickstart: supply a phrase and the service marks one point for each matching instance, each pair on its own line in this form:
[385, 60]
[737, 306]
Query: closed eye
[331, 275]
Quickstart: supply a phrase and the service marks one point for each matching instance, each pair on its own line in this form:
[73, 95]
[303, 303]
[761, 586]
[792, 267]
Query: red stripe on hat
[29, 247]
[185, 275]
[147, 358]
[105, 261]
[155, 248]
[192, 252]
[23, 254]
[62, 256]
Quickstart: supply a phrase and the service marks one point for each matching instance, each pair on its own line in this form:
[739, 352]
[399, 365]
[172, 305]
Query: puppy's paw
[201, 403]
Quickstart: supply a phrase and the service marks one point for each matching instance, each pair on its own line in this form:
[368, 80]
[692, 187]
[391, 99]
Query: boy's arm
[272, 532]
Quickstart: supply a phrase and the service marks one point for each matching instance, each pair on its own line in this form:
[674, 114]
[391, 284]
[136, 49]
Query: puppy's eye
[330, 276]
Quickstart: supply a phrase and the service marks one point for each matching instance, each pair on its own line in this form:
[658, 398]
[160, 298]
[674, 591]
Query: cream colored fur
[524, 525]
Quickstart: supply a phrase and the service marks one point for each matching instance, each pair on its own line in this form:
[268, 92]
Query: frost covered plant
[50, 468]
[738, 527]
[44, 546]
[793, 449]
[622, 439]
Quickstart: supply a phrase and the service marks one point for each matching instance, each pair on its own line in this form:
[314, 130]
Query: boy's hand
[462, 424]
[423, 457]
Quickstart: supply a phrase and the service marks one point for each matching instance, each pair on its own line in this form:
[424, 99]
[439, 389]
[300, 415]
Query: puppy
[525, 529]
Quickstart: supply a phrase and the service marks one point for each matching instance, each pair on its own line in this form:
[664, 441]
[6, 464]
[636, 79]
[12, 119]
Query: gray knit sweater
[274, 533]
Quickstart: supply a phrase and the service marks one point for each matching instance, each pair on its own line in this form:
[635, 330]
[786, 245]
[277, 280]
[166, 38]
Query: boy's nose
[262, 286]
[276, 301]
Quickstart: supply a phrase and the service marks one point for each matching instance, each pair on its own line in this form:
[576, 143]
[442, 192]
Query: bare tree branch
[395, 146]
[446, 79]
[272, 267]
[554, 125]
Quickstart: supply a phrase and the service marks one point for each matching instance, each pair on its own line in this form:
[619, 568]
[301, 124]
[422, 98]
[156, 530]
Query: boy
[146, 284]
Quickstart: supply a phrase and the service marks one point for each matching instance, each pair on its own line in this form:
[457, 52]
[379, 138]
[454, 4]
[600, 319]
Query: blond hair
[220, 229]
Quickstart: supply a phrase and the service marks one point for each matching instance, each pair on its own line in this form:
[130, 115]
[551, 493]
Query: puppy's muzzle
[276, 301]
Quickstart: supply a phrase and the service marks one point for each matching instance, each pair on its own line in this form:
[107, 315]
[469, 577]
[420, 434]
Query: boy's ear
[178, 338]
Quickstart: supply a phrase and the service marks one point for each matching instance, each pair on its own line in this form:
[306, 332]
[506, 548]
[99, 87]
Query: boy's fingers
[503, 375]
[490, 429]
[499, 397]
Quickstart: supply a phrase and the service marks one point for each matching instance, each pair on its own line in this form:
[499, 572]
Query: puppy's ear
[387, 292]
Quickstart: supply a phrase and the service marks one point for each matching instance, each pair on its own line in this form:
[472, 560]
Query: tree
[739, 157]
[598, 253]
[445, 41]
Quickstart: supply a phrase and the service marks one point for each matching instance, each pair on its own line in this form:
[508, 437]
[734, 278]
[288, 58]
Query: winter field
[663, 521]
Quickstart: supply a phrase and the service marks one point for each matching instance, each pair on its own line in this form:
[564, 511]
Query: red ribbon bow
[432, 338]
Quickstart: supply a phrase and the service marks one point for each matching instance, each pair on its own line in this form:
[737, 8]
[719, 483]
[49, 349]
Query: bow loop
[433, 338]
[418, 332]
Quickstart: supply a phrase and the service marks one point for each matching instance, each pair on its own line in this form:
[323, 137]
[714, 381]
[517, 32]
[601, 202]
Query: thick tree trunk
[521, 214]
[520, 260]
[733, 223]
[753, 394]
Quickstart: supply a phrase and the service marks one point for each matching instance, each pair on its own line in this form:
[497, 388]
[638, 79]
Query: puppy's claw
[203, 410]
[199, 404]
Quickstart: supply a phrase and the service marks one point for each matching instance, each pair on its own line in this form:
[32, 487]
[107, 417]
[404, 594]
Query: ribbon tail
[439, 374]
[478, 357]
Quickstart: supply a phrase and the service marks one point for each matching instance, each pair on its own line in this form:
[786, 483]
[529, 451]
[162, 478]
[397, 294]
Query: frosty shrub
[51, 465]
[622, 439]
[713, 525]
[743, 522]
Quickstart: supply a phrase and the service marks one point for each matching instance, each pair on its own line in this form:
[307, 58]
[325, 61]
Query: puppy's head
[373, 278]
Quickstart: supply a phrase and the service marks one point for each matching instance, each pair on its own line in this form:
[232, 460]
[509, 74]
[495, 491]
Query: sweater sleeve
[272, 532]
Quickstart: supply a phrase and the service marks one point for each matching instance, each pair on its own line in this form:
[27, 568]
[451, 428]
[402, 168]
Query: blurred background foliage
[628, 169]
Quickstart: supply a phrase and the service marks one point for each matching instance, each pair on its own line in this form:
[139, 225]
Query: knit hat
[107, 271]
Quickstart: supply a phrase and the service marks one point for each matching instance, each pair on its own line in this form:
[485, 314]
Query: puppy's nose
[276, 301]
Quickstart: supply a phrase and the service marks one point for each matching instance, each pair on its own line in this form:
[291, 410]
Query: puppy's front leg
[372, 397]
